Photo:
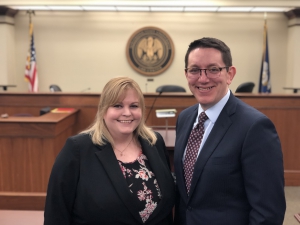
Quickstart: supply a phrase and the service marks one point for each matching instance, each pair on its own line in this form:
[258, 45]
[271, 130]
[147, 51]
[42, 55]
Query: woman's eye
[134, 106]
[117, 106]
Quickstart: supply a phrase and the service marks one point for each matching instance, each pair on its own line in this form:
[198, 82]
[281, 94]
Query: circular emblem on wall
[150, 51]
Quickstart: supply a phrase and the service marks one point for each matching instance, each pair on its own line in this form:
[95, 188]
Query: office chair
[246, 87]
[54, 88]
[170, 88]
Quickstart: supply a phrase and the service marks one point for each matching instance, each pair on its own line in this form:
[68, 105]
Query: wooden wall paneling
[86, 117]
[26, 160]
[284, 111]
[22, 201]
[5, 165]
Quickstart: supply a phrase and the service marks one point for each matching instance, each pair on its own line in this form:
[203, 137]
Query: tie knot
[203, 117]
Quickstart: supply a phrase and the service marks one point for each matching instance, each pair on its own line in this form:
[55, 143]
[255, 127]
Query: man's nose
[202, 75]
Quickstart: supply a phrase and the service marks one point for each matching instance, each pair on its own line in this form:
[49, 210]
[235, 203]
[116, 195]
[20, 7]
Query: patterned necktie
[193, 146]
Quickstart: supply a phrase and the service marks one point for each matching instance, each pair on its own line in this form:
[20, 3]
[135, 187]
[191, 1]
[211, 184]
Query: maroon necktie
[193, 146]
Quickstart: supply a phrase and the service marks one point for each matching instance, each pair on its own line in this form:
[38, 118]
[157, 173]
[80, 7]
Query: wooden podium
[28, 148]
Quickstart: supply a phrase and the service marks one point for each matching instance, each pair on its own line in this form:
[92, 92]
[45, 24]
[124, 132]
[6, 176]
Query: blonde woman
[115, 172]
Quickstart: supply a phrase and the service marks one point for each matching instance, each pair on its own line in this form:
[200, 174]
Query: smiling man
[228, 159]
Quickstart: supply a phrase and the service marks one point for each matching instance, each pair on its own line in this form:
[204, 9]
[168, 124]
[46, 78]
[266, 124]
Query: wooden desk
[28, 148]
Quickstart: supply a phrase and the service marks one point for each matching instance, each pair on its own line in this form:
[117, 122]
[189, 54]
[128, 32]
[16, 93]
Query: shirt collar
[214, 111]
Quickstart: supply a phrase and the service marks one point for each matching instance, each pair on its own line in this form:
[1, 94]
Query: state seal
[150, 51]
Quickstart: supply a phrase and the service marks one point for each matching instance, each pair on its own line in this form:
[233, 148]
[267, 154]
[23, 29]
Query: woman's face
[124, 117]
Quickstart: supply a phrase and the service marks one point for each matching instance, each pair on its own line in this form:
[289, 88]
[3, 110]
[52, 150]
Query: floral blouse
[142, 184]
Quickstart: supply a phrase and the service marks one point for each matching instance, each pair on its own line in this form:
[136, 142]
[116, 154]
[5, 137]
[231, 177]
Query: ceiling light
[271, 9]
[166, 9]
[66, 8]
[133, 8]
[28, 7]
[99, 8]
[200, 9]
[235, 9]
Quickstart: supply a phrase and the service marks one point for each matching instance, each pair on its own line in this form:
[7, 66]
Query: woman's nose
[126, 111]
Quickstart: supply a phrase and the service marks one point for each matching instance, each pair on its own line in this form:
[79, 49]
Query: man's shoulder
[248, 112]
[190, 109]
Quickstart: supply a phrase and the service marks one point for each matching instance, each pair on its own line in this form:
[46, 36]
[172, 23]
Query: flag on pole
[265, 79]
[31, 75]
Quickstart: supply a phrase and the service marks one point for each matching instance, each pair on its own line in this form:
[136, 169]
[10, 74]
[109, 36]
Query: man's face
[208, 91]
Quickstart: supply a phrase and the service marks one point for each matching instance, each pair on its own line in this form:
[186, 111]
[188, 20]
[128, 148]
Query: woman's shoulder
[159, 138]
[81, 138]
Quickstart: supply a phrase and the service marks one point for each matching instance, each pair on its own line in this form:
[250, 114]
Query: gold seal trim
[150, 51]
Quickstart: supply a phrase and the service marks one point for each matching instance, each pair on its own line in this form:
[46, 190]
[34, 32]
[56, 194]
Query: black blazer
[86, 186]
[238, 177]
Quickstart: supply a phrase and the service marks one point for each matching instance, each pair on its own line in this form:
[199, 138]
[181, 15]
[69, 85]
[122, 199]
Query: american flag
[30, 71]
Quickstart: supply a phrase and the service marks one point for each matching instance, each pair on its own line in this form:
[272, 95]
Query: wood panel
[28, 148]
[22, 200]
[283, 110]
[13, 103]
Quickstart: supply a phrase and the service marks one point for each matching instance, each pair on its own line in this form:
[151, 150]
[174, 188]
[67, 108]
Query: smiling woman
[115, 172]
[122, 118]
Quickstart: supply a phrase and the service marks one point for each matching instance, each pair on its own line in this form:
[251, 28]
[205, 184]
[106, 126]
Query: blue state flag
[265, 79]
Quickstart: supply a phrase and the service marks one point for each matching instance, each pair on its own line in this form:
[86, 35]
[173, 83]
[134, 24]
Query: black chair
[170, 88]
[246, 87]
[54, 88]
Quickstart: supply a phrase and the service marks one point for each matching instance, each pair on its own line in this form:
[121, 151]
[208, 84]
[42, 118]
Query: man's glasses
[212, 72]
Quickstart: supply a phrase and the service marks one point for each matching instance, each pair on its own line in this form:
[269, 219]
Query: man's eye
[194, 70]
[214, 69]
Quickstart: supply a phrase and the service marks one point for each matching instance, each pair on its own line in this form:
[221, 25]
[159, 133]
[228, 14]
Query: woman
[115, 172]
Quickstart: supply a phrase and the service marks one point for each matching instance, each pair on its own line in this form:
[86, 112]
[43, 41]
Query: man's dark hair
[208, 42]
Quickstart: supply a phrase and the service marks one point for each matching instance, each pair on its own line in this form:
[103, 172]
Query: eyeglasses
[212, 72]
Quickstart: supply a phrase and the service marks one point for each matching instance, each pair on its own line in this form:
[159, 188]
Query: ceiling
[155, 5]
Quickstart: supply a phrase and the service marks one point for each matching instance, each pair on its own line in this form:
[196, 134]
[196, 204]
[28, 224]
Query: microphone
[86, 89]
[153, 105]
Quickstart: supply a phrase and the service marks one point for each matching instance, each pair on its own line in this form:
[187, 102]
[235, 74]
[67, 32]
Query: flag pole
[30, 12]
[265, 36]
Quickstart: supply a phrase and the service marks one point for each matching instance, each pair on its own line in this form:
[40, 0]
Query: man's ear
[185, 73]
[230, 74]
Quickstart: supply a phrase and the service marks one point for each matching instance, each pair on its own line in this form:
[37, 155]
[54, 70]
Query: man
[235, 176]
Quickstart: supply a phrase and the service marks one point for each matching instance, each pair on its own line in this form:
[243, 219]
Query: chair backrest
[54, 88]
[170, 88]
[246, 87]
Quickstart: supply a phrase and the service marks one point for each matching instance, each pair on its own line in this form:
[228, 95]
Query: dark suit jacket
[238, 177]
[87, 186]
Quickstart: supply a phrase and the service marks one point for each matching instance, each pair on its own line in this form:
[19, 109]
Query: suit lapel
[108, 160]
[221, 126]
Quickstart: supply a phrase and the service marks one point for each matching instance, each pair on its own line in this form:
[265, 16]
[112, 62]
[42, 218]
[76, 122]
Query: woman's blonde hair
[112, 93]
